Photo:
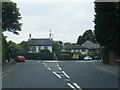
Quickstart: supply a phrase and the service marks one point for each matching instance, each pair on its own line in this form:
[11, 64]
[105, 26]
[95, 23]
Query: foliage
[88, 35]
[10, 17]
[39, 56]
[45, 50]
[104, 55]
[64, 57]
[57, 45]
[22, 48]
[107, 26]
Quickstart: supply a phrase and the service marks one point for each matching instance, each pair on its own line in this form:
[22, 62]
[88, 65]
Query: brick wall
[113, 58]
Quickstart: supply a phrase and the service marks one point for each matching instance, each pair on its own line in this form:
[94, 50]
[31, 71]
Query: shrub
[64, 57]
[45, 50]
[39, 56]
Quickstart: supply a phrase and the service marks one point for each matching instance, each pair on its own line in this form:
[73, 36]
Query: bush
[81, 56]
[45, 50]
[64, 57]
[39, 56]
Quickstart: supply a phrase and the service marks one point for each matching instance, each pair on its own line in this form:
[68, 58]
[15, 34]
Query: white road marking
[45, 65]
[38, 61]
[77, 86]
[48, 68]
[56, 74]
[71, 86]
[57, 64]
[65, 74]
[59, 68]
[51, 61]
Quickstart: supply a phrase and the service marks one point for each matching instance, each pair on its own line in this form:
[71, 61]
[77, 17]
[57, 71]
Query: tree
[107, 25]
[10, 17]
[88, 35]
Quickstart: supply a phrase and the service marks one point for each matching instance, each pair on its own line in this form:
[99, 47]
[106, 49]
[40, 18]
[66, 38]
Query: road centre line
[71, 86]
[65, 74]
[48, 68]
[59, 68]
[56, 74]
[77, 86]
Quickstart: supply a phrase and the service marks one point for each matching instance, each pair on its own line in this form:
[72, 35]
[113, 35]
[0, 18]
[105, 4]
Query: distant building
[92, 47]
[75, 49]
[37, 44]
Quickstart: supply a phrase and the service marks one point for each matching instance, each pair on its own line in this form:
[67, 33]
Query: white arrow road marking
[71, 86]
[78, 87]
[57, 74]
[65, 74]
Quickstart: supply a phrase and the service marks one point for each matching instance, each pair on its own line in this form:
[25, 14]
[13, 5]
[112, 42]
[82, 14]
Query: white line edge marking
[56, 74]
[71, 86]
[78, 87]
[59, 68]
[48, 68]
[65, 74]
[45, 65]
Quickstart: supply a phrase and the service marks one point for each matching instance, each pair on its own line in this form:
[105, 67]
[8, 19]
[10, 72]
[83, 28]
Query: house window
[33, 48]
[39, 48]
[45, 47]
[83, 50]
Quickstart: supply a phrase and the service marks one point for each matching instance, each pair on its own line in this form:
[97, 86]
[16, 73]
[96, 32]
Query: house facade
[75, 49]
[92, 47]
[36, 45]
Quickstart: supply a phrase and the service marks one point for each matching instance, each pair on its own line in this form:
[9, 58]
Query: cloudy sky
[66, 20]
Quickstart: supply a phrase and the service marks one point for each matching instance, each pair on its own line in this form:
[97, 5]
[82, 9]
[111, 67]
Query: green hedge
[39, 56]
[64, 57]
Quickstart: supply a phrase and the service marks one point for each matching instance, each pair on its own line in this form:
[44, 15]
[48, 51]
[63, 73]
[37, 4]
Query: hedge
[64, 57]
[39, 56]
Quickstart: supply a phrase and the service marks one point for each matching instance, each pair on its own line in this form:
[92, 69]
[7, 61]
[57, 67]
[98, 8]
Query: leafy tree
[22, 48]
[107, 26]
[10, 17]
[88, 35]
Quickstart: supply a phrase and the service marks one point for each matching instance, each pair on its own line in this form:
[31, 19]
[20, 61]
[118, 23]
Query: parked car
[97, 58]
[87, 58]
[20, 59]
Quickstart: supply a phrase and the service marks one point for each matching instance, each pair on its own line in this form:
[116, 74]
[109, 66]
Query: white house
[36, 45]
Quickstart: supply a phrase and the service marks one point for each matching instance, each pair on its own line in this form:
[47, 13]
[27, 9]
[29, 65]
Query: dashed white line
[45, 65]
[65, 74]
[59, 68]
[56, 74]
[77, 86]
[71, 86]
[48, 68]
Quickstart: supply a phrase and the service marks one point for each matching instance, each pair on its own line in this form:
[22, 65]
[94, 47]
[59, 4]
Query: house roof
[40, 42]
[74, 46]
[90, 45]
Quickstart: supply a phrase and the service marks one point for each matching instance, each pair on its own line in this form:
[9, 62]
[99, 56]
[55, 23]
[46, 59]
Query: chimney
[29, 36]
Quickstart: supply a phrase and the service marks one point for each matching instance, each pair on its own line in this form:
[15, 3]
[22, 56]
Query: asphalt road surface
[76, 75]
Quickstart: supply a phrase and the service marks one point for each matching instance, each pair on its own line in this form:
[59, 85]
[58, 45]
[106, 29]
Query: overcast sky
[66, 20]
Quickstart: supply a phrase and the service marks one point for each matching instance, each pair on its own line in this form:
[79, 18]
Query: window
[83, 50]
[45, 47]
[39, 48]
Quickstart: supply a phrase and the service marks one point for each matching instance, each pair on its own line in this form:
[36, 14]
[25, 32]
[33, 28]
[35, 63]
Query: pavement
[109, 68]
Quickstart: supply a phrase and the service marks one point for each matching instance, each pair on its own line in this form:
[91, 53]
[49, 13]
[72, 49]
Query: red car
[20, 58]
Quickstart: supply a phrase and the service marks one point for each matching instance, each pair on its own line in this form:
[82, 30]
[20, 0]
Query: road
[76, 75]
